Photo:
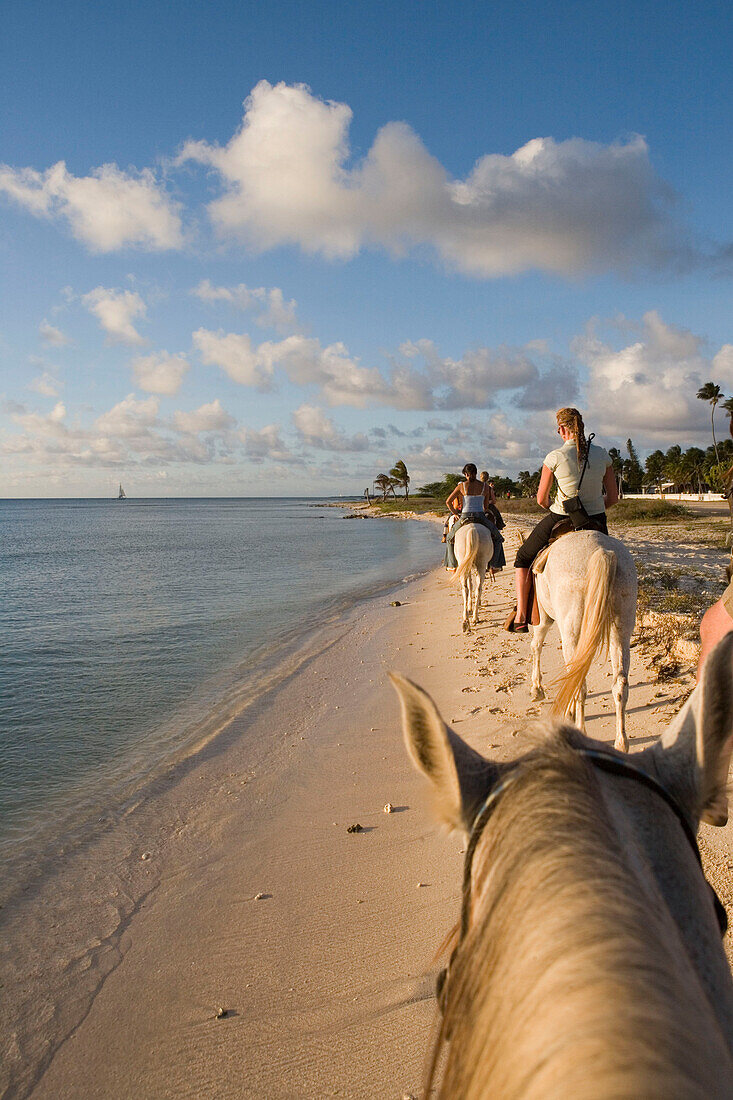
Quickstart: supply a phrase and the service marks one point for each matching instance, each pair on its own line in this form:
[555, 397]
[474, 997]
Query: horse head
[588, 959]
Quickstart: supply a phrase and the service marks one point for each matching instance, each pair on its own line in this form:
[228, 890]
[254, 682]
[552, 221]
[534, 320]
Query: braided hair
[571, 419]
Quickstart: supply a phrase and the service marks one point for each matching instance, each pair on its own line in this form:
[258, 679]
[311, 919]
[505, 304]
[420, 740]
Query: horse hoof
[538, 694]
[621, 746]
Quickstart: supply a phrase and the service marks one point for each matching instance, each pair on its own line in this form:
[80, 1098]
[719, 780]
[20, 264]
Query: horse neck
[569, 981]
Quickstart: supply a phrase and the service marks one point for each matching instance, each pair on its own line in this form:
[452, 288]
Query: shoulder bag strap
[589, 440]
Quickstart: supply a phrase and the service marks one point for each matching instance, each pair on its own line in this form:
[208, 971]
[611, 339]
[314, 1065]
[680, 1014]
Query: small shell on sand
[146, 855]
[388, 808]
[260, 896]
[355, 828]
[222, 1013]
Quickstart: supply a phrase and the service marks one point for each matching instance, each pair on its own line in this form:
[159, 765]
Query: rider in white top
[564, 467]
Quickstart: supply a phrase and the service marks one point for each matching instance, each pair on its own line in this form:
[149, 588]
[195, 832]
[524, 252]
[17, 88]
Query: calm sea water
[124, 625]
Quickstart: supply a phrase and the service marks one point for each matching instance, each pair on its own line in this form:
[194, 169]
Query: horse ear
[701, 736]
[460, 776]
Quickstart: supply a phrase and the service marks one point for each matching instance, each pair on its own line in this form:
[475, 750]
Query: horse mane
[563, 985]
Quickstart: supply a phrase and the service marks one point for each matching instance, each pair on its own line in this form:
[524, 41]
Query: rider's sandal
[520, 628]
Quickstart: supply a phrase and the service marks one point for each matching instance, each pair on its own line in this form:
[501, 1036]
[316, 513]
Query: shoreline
[80, 814]
[326, 979]
[108, 850]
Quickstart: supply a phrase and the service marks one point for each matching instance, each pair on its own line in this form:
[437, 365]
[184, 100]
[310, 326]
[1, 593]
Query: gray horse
[586, 582]
[588, 960]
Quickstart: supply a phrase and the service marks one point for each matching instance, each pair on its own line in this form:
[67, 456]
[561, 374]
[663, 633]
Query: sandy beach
[241, 941]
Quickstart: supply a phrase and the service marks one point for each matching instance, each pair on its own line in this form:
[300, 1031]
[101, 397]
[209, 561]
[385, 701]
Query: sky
[259, 249]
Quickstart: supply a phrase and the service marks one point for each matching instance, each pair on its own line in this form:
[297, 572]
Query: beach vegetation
[441, 489]
[400, 477]
[384, 484]
[713, 394]
[642, 511]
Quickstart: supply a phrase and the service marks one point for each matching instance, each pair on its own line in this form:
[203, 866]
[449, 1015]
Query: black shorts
[540, 536]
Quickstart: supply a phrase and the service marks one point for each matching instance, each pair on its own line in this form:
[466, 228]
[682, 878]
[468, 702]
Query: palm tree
[400, 476]
[693, 461]
[676, 471]
[655, 468]
[384, 483]
[712, 393]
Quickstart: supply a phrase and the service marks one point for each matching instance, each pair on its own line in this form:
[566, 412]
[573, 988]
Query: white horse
[586, 582]
[474, 549]
[588, 959]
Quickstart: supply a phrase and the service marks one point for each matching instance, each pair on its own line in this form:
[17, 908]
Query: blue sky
[272, 248]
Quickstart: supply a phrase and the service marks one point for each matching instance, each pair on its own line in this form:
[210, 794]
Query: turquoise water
[125, 625]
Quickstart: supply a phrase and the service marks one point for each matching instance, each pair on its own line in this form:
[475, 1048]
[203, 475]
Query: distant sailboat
[121, 495]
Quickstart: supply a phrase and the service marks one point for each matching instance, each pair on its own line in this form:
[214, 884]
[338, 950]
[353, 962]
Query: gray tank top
[473, 504]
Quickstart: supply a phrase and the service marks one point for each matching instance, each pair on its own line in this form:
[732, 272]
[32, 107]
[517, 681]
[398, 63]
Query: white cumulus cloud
[52, 335]
[46, 385]
[115, 310]
[567, 207]
[318, 430]
[419, 378]
[269, 304]
[160, 372]
[647, 387]
[212, 417]
[107, 210]
[265, 444]
[233, 352]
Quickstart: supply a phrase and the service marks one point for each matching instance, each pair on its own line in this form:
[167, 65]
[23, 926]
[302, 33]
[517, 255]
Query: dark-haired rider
[469, 501]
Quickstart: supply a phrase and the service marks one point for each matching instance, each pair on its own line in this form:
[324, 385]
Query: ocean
[132, 630]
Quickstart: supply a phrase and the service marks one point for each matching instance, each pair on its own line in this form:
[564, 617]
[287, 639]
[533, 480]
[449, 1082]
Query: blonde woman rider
[564, 466]
[470, 501]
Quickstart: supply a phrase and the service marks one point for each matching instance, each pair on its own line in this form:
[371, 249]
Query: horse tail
[473, 545]
[595, 627]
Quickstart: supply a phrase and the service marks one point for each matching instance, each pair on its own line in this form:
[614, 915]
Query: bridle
[604, 761]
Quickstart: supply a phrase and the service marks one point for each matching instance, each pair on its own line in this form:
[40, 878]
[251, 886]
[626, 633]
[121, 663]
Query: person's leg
[521, 584]
[449, 559]
[499, 560]
[528, 551]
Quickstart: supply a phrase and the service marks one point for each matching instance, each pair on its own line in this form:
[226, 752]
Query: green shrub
[629, 510]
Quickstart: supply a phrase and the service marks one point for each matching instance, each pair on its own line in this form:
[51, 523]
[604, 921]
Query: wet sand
[260, 949]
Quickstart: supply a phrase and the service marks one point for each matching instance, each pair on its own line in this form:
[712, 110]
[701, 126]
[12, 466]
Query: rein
[606, 762]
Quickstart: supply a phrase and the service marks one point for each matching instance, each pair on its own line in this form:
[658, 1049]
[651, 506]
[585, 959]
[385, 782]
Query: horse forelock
[563, 983]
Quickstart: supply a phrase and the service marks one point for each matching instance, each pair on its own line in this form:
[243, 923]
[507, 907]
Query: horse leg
[620, 661]
[478, 586]
[539, 633]
[465, 587]
[579, 717]
[569, 637]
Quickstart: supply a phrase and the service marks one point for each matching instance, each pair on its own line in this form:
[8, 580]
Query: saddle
[562, 527]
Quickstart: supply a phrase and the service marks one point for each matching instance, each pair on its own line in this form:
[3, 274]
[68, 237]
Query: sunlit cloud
[318, 430]
[265, 444]
[46, 385]
[160, 373]
[52, 336]
[268, 304]
[649, 384]
[115, 311]
[212, 417]
[107, 210]
[567, 207]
